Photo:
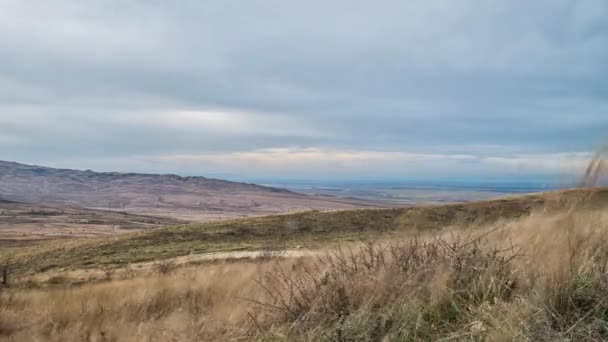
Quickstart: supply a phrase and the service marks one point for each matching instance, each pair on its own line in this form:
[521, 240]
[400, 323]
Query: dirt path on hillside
[88, 275]
[220, 256]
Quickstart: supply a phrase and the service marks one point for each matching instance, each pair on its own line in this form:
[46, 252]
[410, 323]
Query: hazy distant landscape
[418, 192]
[187, 198]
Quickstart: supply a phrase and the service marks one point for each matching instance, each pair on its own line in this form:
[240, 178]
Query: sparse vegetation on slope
[25, 223]
[308, 230]
[540, 277]
[544, 285]
[187, 198]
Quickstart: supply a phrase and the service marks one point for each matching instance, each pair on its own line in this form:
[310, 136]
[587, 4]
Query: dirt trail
[87, 275]
[219, 256]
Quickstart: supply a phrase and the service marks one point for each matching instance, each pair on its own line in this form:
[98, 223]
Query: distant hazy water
[417, 191]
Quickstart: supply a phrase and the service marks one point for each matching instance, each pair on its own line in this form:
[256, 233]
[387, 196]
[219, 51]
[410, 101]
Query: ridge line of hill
[42, 170]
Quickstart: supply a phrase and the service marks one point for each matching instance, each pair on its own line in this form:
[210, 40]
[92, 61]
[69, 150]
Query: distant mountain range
[192, 198]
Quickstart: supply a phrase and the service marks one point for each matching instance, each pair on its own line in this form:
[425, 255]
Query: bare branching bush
[361, 295]
[5, 272]
[538, 278]
[109, 272]
[128, 272]
[165, 266]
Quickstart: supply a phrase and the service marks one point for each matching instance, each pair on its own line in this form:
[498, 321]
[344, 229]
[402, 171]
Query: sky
[305, 89]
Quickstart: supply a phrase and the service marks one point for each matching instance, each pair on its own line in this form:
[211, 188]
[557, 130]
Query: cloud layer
[304, 88]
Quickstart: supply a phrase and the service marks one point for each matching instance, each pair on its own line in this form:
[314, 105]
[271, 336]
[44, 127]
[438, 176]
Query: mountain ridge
[191, 197]
[43, 170]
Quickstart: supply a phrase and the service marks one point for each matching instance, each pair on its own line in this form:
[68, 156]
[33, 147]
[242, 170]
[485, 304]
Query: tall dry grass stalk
[597, 167]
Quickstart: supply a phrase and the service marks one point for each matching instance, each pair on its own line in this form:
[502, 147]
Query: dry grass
[541, 277]
[310, 230]
[185, 305]
[512, 273]
[23, 224]
[526, 269]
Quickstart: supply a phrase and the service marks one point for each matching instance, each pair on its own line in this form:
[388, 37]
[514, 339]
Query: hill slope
[536, 278]
[25, 223]
[190, 198]
[308, 230]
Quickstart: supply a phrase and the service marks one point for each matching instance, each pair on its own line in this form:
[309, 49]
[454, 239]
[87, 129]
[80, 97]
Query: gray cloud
[107, 79]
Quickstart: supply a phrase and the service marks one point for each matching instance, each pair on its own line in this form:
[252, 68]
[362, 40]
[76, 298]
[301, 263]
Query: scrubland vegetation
[540, 277]
[308, 230]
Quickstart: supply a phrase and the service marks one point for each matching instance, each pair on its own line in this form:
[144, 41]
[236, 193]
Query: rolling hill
[299, 230]
[188, 198]
[22, 224]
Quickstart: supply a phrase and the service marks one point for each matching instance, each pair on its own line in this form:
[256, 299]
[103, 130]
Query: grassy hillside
[307, 230]
[540, 277]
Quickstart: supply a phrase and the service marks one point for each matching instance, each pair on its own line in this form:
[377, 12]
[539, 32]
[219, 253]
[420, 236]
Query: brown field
[526, 268]
[25, 223]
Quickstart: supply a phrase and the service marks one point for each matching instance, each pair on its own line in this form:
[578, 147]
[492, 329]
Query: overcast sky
[305, 89]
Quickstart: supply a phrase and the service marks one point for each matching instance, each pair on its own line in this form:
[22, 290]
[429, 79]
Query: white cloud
[227, 122]
[299, 162]
[571, 163]
[197, 86]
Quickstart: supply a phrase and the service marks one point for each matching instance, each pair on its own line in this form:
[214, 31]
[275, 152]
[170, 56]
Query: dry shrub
[543, 277]
[412, 290]
[165, 266]
[539, 278]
